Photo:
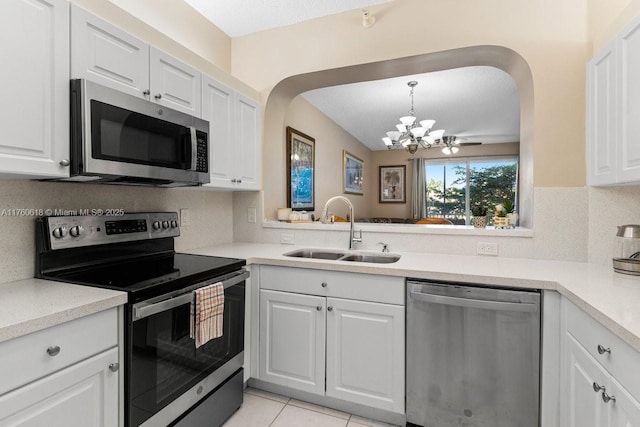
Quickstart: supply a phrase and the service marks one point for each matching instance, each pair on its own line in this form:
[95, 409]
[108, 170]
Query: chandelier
[411, 135]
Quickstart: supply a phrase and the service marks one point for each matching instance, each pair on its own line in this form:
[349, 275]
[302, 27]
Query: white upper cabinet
[601, 117]
[175, 84]
[613, 110]
[105, 54]
[234, 137]
[34, 100]
[629, 102]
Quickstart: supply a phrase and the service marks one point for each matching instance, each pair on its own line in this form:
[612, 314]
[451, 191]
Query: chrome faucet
[325, 213]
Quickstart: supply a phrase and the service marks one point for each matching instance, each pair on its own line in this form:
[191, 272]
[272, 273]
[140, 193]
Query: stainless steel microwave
[118, 138]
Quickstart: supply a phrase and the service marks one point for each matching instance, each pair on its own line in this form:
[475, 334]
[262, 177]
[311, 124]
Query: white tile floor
[262, 409]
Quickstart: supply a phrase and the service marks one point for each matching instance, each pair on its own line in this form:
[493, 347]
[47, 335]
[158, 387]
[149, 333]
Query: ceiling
[241, 17]
[478, 103]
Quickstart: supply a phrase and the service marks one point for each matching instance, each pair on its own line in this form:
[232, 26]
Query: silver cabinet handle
[64, 163]
[319, 307]
[597, 387]
[53, 351]
[323, 284]
[239, 181]
[114, 367]
[146, 92]
[606, 398]
[158, 96]
[329, 308]
[603, 350]
[234, 180]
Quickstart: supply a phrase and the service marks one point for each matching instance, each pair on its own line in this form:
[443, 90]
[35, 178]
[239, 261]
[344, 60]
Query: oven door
[166, 374]
[116, 134]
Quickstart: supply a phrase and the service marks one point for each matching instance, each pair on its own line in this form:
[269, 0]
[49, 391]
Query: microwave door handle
[194, 149]
[142, 310]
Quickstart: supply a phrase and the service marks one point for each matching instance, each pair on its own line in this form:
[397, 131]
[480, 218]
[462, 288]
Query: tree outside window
[452, 187]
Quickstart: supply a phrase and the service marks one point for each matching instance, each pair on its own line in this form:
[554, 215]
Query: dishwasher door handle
[474, 303]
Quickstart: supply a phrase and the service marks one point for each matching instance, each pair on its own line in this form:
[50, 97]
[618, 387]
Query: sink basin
[315, 253]
[377, 259]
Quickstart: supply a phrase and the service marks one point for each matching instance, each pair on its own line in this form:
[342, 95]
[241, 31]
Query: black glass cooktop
[152, 275]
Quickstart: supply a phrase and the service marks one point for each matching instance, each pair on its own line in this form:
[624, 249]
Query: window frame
[467, 161]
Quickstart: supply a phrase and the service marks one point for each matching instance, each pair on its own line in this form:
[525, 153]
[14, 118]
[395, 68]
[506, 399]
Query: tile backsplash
[210, 214]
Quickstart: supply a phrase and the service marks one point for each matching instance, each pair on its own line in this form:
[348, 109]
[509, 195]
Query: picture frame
[300, 170]
[393, 184]
[352, 174]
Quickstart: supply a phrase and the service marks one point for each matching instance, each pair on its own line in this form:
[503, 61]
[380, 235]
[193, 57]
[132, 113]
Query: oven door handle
[142, 310]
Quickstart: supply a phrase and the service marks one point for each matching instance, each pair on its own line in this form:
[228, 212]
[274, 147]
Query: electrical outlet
[251, 215]
[485, 248]
[287, 239]
[184, 217]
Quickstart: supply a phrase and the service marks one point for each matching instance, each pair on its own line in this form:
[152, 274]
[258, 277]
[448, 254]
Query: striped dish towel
[207, 309]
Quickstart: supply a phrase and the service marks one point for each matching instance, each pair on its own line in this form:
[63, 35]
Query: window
[454, 186]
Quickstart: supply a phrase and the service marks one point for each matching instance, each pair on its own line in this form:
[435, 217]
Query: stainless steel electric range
[167, 381]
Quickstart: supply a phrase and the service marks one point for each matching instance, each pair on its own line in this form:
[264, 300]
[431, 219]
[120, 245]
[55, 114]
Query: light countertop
[33, 304]
[611, 298]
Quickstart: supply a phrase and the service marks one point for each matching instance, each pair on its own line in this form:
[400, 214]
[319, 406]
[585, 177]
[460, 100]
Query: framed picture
[393, 188]
[300, 170]
[352, 173]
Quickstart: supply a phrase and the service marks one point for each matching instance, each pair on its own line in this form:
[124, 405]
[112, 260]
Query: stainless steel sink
[316, 253]
[376, 258]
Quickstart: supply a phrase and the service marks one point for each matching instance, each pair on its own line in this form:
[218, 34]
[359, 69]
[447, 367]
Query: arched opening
[284, 92]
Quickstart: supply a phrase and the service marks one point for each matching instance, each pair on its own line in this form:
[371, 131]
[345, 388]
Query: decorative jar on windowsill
[479, 218]
[501, 222]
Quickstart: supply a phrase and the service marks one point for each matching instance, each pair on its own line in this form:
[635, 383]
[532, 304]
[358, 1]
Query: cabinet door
[218, 108]
[85, 394]
[248, 144]
[292, 340]
[602, 117]
[365, 353]
[34, 101]
[175, 84]
[105, 54]
[625, 410]
[583, 406]
[629, 102]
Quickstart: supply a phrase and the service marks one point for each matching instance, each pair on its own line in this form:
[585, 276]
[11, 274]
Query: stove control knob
[156, 225]
[59, 232]
[76, 231]
[165, 224]
[174, 224]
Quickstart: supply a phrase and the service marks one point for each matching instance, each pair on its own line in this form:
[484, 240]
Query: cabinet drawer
[26, 359]
[362, 287]
[622, 362]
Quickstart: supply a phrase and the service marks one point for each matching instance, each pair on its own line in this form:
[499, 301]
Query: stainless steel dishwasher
[473, 356]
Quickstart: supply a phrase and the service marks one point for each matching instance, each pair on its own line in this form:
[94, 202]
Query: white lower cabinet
[595, 364]
[292, 344]
[365, 353]
[331, 344]
[67, 375]
[84, 394]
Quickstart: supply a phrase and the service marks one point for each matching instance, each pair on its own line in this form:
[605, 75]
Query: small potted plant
[500, 219]
[510, 208]
[479, 216]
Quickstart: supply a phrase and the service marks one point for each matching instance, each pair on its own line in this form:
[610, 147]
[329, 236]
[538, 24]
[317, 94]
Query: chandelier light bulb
[387, 141]
[401, 128]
